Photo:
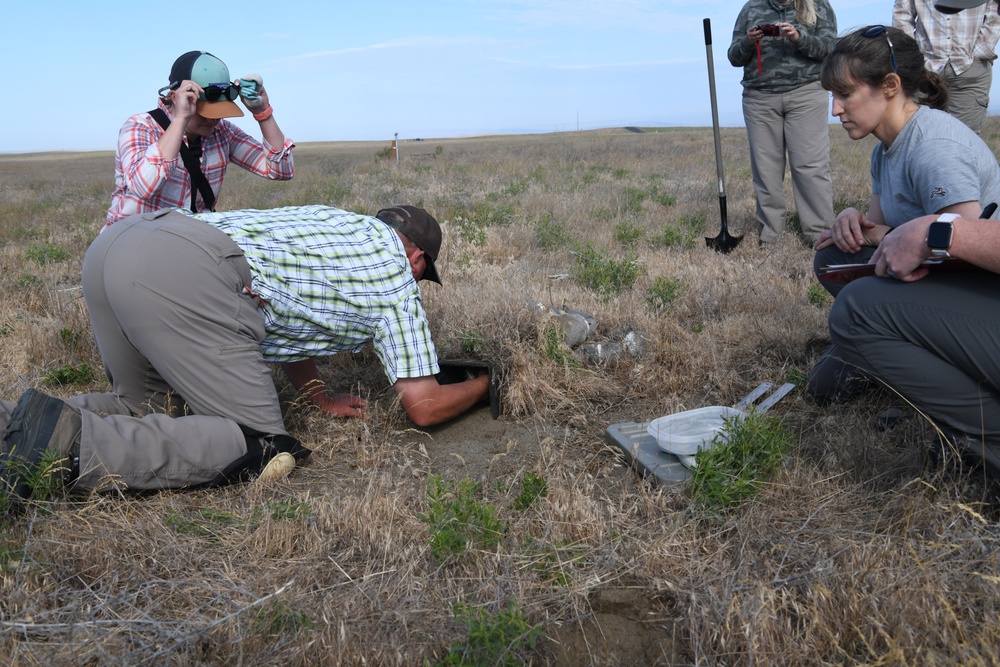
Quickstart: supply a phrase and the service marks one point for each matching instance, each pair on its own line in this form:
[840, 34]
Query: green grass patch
[550, 233]
[70, 376]
[818, 296]
[472, 341]
[629, 234]
[470, 230]
[664, 293]
[605, 275]
[555, 348]
[744, 455]
[492, 640]
[280, 620]
[533, 488]
[459, 519]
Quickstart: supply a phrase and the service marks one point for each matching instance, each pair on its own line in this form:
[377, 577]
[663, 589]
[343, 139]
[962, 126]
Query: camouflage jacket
[784, 65]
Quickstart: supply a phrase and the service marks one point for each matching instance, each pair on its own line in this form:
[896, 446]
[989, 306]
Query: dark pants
[936, 342]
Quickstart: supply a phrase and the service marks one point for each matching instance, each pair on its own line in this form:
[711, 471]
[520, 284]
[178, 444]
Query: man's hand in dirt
[341, 405]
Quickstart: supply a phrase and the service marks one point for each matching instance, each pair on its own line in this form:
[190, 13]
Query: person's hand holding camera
[781, 29]
[788, 31]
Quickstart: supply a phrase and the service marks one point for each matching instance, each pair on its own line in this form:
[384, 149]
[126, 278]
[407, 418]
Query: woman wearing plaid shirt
[149, 172]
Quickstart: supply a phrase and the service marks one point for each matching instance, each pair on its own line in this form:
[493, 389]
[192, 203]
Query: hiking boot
[38, 424]
[957, 452]
[834, 380]
[893, 417]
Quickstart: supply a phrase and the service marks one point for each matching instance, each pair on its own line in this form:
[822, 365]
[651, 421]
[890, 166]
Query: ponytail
[933, 91]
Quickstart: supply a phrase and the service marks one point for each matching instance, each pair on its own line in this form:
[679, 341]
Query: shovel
[724, 242]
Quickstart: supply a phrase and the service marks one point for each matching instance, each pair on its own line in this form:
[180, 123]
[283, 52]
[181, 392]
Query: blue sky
[360, 70]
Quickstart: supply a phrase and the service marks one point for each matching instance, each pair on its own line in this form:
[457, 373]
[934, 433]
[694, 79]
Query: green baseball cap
[206, 70]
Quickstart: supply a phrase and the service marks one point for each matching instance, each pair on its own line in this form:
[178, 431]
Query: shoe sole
[277, 468]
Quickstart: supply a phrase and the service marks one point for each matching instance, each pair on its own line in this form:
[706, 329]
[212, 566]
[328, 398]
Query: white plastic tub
[684, 433]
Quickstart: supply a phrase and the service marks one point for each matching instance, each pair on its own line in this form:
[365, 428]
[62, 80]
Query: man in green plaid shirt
[188, 309]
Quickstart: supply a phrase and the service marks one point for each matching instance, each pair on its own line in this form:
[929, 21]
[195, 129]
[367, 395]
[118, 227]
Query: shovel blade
[724, 242]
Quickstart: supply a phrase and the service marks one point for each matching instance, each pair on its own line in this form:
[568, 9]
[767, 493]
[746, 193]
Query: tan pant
[181, 347]
[795, 123]
[969, 93]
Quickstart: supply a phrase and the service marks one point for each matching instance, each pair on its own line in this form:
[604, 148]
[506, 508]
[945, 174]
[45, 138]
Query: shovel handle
[715, 107]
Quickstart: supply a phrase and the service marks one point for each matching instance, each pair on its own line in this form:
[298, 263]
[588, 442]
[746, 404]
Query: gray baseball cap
[955, 6]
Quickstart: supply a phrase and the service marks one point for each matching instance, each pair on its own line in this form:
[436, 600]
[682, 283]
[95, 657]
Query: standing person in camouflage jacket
[781, 44]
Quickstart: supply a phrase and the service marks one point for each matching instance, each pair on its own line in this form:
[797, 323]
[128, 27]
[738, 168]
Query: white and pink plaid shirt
[145, 181]
[959, 39]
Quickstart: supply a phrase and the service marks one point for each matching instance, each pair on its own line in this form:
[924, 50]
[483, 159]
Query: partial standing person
[926, 162]
[152, 161]
[781, 46]
[957, 46]
[188, 310]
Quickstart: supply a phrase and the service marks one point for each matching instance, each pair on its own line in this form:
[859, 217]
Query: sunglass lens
[215, 91]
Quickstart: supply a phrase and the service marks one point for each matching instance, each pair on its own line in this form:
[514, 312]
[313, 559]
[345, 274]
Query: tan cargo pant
[180, 341]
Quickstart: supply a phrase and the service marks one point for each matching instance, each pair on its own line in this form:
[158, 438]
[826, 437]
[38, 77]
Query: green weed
[288, 510]
[632, 199]
[29, 281]
[45, 253]
[744, 455]
[208, 524]
[45, 479]
[605, 275]
[472, 341]
[493, 639]
[664, 293]
[629, 234]
[555, 348]
[552, 562]
[470, 230]
[796, 377]
[551, 233]
[817, 295]
[70, 376]
[532, 488]
[280, 619]
[603, 214]
[493, 214]
[663, 199]
[459, 520]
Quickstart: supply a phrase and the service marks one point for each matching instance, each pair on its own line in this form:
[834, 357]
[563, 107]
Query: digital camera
[769, 29]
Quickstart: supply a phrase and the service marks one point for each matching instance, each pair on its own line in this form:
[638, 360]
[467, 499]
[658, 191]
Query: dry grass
[852, 554]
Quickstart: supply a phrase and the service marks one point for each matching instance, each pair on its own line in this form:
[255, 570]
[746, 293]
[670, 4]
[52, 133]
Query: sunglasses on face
[877, 31]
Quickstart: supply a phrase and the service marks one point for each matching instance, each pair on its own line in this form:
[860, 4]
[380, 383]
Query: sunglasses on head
[877, 31]
[213, 92]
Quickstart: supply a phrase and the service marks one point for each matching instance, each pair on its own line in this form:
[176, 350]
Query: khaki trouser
[796, 123]
[969, 93]
[180, 342]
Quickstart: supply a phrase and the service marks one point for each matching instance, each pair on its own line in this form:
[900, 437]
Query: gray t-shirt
[936, 161]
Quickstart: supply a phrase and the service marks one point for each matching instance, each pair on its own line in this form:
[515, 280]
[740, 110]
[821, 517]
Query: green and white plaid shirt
[331, 281]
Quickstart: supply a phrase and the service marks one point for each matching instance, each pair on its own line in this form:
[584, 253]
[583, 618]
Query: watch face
[939, 235]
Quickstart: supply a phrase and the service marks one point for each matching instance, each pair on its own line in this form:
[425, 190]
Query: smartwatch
[939, 235]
